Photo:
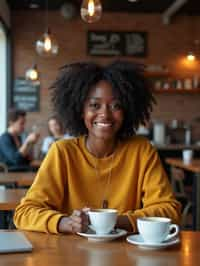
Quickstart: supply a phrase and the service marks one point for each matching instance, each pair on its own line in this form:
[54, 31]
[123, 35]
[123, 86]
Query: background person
[15, 154]
[107, 165]
[56, 132]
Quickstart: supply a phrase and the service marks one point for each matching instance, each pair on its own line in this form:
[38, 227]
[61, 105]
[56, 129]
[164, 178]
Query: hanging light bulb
[47, 44]
[91, 10]
[32, 73]
[191, 56]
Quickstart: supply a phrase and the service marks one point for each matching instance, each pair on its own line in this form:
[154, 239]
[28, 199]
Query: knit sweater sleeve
[156, 194]
[42, 207]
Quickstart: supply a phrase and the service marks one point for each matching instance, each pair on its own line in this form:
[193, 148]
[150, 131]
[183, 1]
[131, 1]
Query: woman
[55, 129]
[15, 154]
[107, 165]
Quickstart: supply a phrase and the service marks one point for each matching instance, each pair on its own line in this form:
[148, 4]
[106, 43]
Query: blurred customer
[56, 132]
[15, 153]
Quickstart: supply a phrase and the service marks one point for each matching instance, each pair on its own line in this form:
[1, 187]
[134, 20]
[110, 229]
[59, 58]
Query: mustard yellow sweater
[72, 178]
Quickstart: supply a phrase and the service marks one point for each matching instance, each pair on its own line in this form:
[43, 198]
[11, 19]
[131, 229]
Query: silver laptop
[14, 242]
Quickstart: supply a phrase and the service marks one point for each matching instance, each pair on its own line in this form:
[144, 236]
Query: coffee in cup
[103, 220]
[156, 229]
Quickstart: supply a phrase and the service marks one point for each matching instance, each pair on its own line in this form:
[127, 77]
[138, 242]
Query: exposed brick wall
[166, 46]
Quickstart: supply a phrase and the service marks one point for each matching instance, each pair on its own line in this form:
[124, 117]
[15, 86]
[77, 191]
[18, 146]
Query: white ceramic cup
[103, 220]
[156, 229]
[187, 156]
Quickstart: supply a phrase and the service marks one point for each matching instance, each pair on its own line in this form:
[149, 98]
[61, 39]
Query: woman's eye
[94, 105]
[116, 106]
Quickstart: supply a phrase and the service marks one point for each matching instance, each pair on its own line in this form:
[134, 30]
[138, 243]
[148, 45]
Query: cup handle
[171, 235]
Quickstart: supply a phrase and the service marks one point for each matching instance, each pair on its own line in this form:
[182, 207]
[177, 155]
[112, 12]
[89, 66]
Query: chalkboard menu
[26, 95]
[111, 43]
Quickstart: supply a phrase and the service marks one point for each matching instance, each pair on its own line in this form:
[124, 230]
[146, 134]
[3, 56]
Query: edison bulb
[47, 45]
[32, 74]
[91, 10]
[190, 56]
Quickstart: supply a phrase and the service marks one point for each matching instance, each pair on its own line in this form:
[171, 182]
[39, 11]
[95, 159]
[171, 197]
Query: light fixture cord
[46, 15]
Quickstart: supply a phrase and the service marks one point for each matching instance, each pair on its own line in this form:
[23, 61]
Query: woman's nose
[105, 111]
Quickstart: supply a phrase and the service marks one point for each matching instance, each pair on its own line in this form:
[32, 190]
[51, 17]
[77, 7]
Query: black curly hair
[71, 88]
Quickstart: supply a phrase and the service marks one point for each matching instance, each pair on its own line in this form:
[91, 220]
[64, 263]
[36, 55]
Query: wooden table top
[194, 166]
[62, 250]
[19, 178]
[10, 198]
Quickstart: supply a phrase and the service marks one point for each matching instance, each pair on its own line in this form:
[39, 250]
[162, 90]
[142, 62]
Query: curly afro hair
[70, 90]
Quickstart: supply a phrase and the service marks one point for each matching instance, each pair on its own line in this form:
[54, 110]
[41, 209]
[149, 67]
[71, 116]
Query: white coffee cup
[103, 220]
[187, 156]
[156, 229]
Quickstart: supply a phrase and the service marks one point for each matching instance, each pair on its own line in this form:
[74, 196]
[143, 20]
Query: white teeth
[103, 124]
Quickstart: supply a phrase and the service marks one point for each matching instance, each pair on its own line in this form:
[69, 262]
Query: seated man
[14, 153]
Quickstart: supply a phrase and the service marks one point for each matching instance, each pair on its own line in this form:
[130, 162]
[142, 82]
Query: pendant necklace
[104, 201]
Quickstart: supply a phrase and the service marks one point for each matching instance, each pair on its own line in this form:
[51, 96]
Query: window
[4, 85]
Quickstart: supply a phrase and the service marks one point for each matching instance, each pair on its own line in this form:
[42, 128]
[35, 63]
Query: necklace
[104, 201]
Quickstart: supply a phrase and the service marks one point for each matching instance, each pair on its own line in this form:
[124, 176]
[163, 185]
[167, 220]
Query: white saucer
[138, 240]
[92, 236]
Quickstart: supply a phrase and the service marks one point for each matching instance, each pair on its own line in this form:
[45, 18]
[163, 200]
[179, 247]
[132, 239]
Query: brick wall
[167, 46]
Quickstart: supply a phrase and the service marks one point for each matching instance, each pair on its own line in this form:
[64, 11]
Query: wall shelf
[177, 91]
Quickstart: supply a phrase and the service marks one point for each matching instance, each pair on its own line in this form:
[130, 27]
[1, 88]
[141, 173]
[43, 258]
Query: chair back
[3, 167]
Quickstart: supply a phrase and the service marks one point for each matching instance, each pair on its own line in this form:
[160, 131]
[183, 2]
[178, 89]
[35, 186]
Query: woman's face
[102, 114]
[54, 127]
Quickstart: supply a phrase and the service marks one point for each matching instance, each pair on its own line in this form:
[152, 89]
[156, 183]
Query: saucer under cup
[103, 221]
[156, 229]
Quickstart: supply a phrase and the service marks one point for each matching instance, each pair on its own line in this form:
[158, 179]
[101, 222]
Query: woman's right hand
[77, 222]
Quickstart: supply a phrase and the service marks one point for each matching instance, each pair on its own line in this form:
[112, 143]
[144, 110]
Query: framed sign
[26, 95]
[111, 43]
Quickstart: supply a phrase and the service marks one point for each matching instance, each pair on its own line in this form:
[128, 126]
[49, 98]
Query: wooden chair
[3, 169]
[177, 181]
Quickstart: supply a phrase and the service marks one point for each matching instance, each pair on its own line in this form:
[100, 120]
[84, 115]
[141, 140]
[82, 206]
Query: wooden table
[194, 167]
[72, 250]
[10, 198]
[17, 178]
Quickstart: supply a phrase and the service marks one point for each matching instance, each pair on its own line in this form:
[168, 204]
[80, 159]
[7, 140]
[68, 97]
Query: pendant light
[91, 10]
[47, 44]
[191, 56]
[32, 73]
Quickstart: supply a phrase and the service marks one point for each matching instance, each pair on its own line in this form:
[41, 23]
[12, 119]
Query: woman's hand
[77, 222]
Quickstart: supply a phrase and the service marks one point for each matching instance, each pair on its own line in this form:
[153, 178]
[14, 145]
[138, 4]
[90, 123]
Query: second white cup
[156, 229]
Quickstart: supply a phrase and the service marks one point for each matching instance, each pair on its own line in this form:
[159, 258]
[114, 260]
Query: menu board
[111, 43]
[26, 95]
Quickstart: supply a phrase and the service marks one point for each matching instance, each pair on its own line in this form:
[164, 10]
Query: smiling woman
[102, 107]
